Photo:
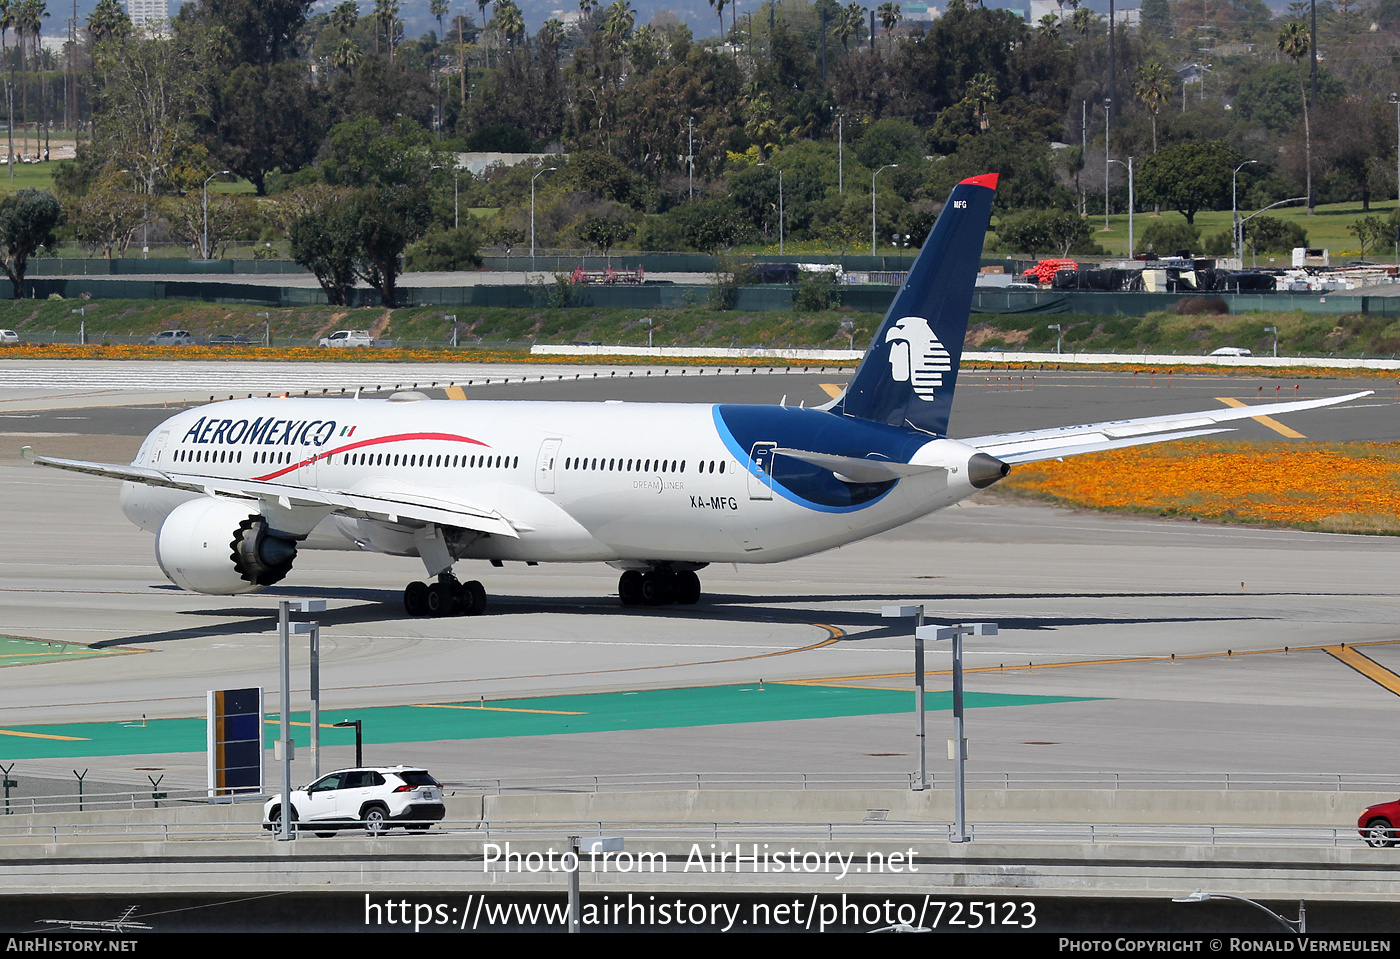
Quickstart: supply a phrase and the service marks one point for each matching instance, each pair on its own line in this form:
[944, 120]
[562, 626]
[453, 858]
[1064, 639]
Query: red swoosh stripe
[400, 437]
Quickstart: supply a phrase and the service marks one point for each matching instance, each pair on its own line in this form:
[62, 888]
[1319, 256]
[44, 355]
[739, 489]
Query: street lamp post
[1107, 109]
[1274, 331]
[690, 151]
[82, 325]
[887, 166]
[359, 738]
[1235, 208]
[1299, 925]
[284, 740]
[267, 328]
[532, 212]
[453, 318]
[1131, 203]
[204, 238]
[1395, 99]
[915, 613]
[959, 743]
[780, 213]
[1059, 332]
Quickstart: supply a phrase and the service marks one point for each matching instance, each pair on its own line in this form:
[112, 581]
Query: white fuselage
[624, 483]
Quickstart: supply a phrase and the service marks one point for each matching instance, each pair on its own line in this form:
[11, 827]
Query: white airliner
[234, 490]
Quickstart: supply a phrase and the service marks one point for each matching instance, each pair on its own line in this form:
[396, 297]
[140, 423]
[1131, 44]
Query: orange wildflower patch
[1339, 487]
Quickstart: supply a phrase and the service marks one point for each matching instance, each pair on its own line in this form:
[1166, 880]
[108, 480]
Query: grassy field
[120, 321]
[1327, 228]
[1333, 487]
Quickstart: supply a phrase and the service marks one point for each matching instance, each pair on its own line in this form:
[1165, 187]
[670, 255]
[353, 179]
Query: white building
[155, 12]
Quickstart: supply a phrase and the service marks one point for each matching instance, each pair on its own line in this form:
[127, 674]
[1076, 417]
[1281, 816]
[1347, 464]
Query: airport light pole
[204, 237]
[958, 747]
[532, 211]
[1299, 925]
[887, 166]
[1395, 99]
[312, 629]
[1107, 109]
[267, 328]
[453, 318]
[1131, 204]
[356, 724]
[1274, 331]
[780, 213]
[1059, 332]
[1235, 207]
[690, 151]
[82, 325]
[915, 613]
[285, 608]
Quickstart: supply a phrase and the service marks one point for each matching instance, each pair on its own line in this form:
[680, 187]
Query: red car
[1377, 824]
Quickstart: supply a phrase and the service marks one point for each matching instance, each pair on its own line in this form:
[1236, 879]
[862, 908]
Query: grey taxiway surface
[1090, 606]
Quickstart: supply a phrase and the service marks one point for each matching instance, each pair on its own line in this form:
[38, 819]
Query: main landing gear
[446, 597]
[658, 587]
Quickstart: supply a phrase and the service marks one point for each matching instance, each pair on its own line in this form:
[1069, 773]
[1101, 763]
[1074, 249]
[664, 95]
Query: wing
[388, 503]
[1031, 446]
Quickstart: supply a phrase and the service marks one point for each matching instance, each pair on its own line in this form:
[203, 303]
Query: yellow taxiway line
[1268, 421]
[1366, 666]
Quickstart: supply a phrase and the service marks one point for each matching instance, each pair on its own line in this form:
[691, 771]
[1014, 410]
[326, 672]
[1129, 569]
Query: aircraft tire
[440, 600]
[473, 598]
[686, 589]
[656, 589]
[415, 598]
[629, 588]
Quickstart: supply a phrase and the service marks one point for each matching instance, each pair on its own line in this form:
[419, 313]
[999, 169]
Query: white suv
[371, 798]
[348, 338]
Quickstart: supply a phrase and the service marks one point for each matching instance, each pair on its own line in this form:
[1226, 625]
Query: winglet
[28, 453]
[988, 180]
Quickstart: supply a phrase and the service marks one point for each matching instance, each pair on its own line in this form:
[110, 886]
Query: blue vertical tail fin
[908, 374]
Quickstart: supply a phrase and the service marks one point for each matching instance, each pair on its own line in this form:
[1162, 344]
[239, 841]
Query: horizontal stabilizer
[1030, 446]
[852, 469]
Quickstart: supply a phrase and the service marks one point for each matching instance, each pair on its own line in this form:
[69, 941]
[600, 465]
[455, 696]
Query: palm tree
[854, 18]
[1294, 42]
[718, 7]
[438, 8]
[346, 55]
[386, 15]
[617, 25]
[509, 20]
[1152, 88]
[345, 16]
[889, 17]
[982, 91]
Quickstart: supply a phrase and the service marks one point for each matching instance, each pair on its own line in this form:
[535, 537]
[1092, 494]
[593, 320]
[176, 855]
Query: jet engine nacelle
[222, 547]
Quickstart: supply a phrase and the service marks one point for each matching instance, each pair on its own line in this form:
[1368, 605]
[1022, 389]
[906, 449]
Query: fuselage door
[158, 449]
[544, 466]
[761, 476]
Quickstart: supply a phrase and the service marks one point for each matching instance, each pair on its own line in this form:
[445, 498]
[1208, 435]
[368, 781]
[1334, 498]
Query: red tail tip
[988, 180]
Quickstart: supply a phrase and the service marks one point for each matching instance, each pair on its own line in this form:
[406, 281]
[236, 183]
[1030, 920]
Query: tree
[1370, 231]
[1152, 87]
[1036, 231]
[387, 220]
[107, 215]
[27, 221]
[265, 117]
[1190, 176]
[261, 31]
[1294, 41]
[107, 21]
[889, 18]
[145, 105]
[1268, 234]
[446, 250]
[1165, 237]
[229, 218]
[605, 232]
[324, 240]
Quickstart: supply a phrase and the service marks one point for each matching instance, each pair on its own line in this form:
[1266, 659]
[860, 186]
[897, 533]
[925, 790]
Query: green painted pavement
[15, 651]
[550, 715]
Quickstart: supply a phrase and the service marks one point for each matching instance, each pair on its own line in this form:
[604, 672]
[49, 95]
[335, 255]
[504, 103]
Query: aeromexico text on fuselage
[265, 431]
